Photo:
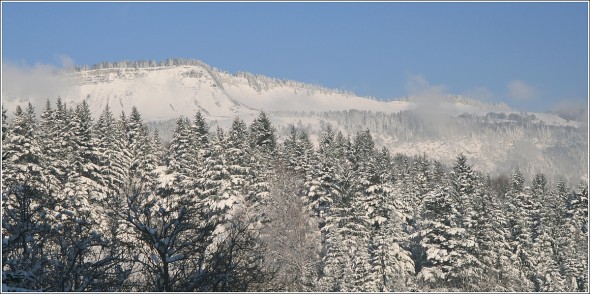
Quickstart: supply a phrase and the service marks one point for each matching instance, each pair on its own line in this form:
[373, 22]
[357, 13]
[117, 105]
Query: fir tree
[573, 241]
[449, 261]
[240, 162]
[217, 193]
[180, 158]
[392, 265]
[322, 187]
[200, 131]
[417, 186]
[145, 159]
[85, 185]
[52, 127]
[114, 157]
[26, 200]
[262, 134]
[520, 219]
[289, 150]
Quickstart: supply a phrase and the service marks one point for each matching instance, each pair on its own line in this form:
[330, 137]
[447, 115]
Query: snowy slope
[169, 92]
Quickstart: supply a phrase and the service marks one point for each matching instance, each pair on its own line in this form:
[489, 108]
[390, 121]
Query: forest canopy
[104, 205]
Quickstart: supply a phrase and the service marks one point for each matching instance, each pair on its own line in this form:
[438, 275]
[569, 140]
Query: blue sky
[529, 55]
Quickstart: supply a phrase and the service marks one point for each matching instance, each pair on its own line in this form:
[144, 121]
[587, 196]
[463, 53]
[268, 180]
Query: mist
[571, 110]
[22, 84]
[432, 102]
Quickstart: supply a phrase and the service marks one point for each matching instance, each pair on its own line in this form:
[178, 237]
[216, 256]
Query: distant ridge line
[174, 62]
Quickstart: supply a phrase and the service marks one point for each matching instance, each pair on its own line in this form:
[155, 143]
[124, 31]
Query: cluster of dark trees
[105, 206]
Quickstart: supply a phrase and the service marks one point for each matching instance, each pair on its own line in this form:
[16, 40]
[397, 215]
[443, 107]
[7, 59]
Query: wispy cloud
[422, 91]
[430, 100]
[65, 61]
[571, 109]
[23, 83]
[520, 91]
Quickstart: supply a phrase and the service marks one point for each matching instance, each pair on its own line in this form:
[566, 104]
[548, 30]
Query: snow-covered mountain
[172, 88]
[180, 88]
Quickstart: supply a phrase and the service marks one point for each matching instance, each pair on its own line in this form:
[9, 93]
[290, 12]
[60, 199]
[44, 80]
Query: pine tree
[298, 152]
[465, 187]
[573, 242]
[26, 198]
[180, 158]
[23, 160]
[356, 228]
[448, 260]
[520, 223]
[435, 250]
[85, 186]
[289, 150]
[189, 150]
[200, 131]
[335, 263]
[84, 158]
[114, 157]
[321, 184]
[415, 187]
[306, 152]
[80, 238]
[545, 275]
[392, 265]
[241, 164]
[538, 195]
[464, 184]
[345, 233]
[217, 193]
[326, 142]
[145, 160]
[51, 129]
[490, 230]
[262, 135]
[262, 141]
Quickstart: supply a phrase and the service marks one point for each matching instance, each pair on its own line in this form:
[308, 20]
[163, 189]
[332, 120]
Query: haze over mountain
[433, 123]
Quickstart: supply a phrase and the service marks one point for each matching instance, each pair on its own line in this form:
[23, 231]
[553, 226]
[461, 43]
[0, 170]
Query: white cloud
[423, 91]
[416, 83]
[65, 61]
[430, 99]
[520, 91]
[571, 109]
[35, 84]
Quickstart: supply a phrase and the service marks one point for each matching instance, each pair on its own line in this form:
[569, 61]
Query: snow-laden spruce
[105, 205]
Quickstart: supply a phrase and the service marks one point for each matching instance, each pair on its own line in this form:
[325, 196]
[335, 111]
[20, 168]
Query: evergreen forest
[101, 204]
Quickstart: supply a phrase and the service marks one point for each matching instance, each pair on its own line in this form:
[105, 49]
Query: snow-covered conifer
[520, 218]
[262, 134]
[26, 198]
[114, 155]
[145, 160]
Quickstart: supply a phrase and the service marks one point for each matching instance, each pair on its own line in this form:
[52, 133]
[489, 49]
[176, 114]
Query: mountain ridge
[190, 85]
[494, 136]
